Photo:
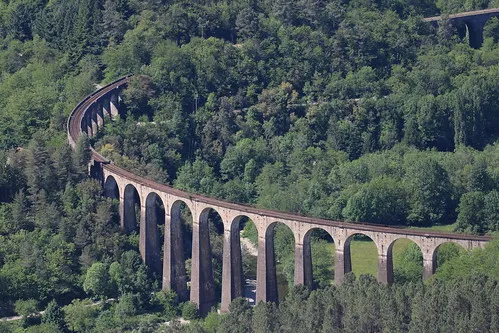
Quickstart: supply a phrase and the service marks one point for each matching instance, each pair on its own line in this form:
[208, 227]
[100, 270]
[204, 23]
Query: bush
[44, 328]
[189, 311]
[126, 307]
[212, 322]
[166, 301]
[26, 307]
[97, 281]
[250, 232]
[80, 315]
[28, 321]
[53, 315]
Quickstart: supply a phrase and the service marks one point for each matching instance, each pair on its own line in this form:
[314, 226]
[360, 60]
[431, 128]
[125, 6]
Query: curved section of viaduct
[158, 203]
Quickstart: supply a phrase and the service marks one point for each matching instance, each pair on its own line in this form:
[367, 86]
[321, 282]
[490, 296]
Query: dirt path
[246, 243]
[109, 300]
[249, 285]
[250, 291]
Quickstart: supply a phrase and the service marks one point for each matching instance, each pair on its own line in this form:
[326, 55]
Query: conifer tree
[82, 155]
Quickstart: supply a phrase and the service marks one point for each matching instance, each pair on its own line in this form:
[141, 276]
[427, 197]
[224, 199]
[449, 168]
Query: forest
[351, 110]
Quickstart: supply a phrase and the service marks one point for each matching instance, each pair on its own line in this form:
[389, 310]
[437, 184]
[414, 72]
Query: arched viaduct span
[132, 190]
[474, 21]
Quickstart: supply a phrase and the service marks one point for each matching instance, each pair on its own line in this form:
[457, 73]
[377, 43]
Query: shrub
[189, 311]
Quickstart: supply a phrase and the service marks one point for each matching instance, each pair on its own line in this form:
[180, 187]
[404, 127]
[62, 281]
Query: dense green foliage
[366, 306]
[56, 230]
[344, 109]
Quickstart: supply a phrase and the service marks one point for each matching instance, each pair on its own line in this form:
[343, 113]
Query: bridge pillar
[88, 118]
[174, 275]
[100, 116]
[83, 124]
[232, 269]
[93, 116]
[343, 264]
[303, 264]
[122, 212]
[113, 101]
[385, 268]
[202, 285]
[151, 245]
[266, 276]
[429, 266]
[142, 232]
[106, 107]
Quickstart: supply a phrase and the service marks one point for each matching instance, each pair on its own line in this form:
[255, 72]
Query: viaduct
[133, 190]
[474, 21]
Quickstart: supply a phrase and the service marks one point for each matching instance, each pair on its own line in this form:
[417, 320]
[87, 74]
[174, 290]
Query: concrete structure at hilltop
[474, 22]
[158, 203]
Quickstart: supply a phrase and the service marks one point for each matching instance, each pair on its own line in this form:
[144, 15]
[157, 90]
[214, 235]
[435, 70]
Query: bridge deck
[464, 14]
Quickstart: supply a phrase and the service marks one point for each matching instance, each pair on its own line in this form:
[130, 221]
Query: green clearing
[438, 228]
[365, 256]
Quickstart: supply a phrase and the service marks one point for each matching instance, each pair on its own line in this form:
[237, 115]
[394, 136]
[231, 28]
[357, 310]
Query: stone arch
[150, 235]
[365, 258]
[461, 29]
[392, 262]
[131, 199]
[453, 247]
[177, 247]
[273, 293]
[111, 188]
[308, 257]
[475, 29]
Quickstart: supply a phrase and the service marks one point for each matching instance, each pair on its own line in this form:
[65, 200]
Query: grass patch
[364, 255]
[437, 228]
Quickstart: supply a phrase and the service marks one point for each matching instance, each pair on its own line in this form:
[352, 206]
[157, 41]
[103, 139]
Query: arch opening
[318, 245]
[131, 211]
[178, 250]
[491, 29]
[210, 241]
[445, 252]
[280, 255]
[407, 261]
[244, 252]
[361, 255]
[154, 232]
[111, 189]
